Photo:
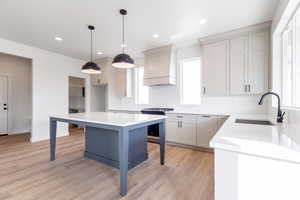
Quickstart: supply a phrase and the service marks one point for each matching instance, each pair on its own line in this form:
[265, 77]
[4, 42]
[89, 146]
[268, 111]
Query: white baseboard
[47, 138]
[18, 132]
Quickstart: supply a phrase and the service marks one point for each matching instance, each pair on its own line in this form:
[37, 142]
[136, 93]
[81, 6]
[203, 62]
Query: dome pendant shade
[91, 67]
[123, 61]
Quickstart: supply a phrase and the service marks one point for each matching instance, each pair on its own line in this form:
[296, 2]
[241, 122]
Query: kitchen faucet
[279, 112]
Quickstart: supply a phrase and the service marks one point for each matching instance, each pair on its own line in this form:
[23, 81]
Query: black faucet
[279, 113]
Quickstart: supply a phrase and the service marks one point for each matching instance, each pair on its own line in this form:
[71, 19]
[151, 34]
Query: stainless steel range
[153, 130]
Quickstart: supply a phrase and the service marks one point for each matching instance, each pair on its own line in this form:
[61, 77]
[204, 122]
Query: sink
[251, 121]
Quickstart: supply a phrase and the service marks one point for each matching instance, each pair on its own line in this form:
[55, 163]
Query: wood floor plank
[26, 173]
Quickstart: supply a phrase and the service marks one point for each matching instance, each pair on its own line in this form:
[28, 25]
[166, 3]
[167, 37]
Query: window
[190, 71]
[290, 69]
[141, 91]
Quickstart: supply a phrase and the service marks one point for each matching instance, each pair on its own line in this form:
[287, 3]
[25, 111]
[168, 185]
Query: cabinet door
[104, 74]
[258, 62]
[237, 57]
[171, 131]
[187, 133]
[124, 82]
[207, 128]
[215, 69]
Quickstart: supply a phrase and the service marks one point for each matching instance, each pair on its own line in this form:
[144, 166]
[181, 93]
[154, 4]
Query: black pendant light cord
[91, 45]
[91, 27]
[123, 45]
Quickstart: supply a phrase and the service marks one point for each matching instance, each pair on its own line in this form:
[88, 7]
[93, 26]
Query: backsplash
[228, 104]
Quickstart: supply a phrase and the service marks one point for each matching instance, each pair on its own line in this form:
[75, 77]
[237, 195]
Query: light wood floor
[26, 173]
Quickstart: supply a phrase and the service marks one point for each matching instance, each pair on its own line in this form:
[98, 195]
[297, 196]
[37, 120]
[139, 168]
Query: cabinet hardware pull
[180, 124]
[245, 88]
[204, 90]
[249, 89]
[179, 116]
[206, 116]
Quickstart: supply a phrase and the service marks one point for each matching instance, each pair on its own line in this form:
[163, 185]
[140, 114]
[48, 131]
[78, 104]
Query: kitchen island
[256, 161]
[116, 139]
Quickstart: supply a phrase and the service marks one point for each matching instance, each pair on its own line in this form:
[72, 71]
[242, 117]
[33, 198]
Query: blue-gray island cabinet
[116, 139]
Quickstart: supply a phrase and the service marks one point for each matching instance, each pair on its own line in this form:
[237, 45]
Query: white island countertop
[110, 118]
[280, 141]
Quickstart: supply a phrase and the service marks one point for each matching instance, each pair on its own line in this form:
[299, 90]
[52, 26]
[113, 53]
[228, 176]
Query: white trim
[235, 33]
[7, 98]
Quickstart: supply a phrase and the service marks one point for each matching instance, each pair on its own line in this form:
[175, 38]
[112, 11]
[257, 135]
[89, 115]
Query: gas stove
[153, 130]
[156, 111]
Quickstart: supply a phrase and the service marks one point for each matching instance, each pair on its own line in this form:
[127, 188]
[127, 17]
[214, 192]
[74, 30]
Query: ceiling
[38, 22]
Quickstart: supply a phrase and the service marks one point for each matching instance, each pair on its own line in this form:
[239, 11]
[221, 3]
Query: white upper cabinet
[102, 78]
[238, 65]
[160, 66]
[215, 60]
[258, 62]
[249, 64]
[124, 84]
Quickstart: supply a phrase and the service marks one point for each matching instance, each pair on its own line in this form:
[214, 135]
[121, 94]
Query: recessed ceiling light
[155, 35]
[58, 39]
[99, 53]
[203, 21]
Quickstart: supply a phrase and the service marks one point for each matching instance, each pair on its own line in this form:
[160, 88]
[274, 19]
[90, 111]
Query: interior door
[3, 105]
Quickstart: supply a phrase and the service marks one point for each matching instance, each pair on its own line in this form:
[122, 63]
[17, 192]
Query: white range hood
[160, 66]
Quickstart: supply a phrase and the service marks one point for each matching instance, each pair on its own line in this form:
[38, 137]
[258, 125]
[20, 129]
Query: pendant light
[123, 60]
[91, 67]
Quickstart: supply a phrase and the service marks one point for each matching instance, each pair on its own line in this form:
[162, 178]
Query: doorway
[3, 105]
[77, 93]
[15, 95]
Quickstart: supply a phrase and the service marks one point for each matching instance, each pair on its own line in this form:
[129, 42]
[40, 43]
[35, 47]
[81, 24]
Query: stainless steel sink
[251, 121]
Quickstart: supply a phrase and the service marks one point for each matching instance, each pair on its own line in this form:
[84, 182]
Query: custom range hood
[159, 66]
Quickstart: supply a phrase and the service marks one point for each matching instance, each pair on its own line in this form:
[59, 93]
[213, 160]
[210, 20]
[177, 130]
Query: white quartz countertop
[281, 141]
[110, 118]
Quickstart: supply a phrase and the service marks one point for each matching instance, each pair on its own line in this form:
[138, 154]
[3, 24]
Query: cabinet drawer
[182, 117]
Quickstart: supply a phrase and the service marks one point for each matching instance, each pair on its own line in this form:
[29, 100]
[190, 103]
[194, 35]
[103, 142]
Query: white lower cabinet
[171, 131]
[206, 129]
[195, 130]
[182, 129]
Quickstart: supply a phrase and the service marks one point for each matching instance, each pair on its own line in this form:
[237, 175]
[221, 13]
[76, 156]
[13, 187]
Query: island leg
[53, 127]
[123, 159]
[162, 141]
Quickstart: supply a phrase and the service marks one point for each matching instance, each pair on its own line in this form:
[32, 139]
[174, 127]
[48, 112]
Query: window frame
[137, 100]
[182, 60]
[291, 24]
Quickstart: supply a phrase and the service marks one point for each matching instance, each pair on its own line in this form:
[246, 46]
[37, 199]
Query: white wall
[50, 72]
[169, 96]
[18, 71]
